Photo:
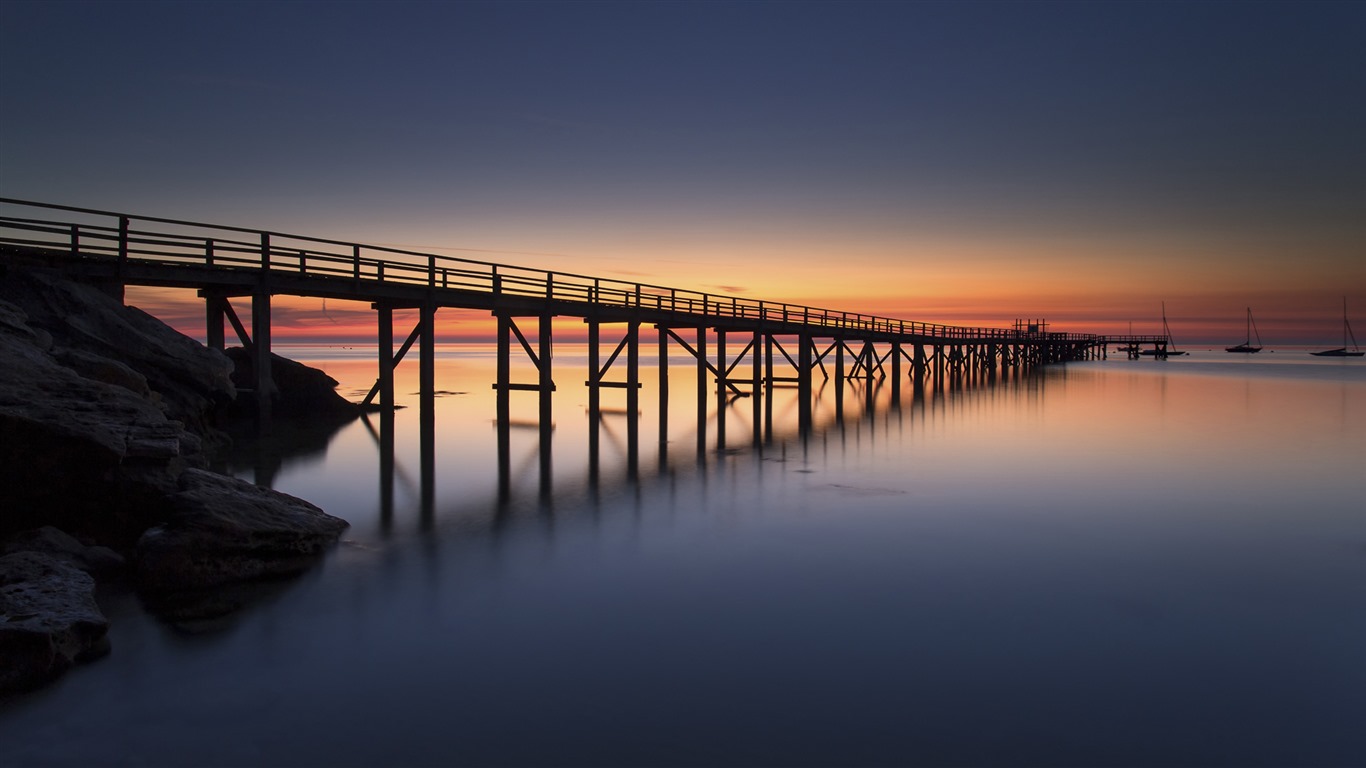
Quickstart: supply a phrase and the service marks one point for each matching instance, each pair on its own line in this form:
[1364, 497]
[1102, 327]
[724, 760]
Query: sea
[1104, 563]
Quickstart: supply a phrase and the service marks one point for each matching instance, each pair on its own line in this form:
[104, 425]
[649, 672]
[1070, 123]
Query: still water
[1105, 563]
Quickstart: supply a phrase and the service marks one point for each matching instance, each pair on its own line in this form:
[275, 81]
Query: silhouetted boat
[1346, 333]
[1246, 346]
[1172, 351]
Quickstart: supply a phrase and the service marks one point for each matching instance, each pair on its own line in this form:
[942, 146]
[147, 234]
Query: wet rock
[100, 562]
[48, 619]
[223, 530]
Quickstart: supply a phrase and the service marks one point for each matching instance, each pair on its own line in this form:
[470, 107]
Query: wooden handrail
[278, 251]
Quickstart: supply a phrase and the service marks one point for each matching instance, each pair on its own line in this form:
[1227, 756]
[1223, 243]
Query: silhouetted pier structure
[740, 346]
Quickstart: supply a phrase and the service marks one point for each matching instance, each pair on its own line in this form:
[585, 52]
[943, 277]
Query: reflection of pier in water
[724, 430]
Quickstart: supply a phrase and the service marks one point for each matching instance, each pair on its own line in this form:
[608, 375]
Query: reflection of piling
[386, 470]
[427, 415]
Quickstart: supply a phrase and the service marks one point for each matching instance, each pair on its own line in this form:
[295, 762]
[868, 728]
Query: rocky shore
[108, 422]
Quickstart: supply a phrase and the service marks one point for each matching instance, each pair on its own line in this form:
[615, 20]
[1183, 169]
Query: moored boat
[1247, 347]
[1171, 350]
[1342, 351]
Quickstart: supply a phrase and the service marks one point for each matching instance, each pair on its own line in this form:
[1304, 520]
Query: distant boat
[1246, 346]
[1172, 351]
[1346, 333]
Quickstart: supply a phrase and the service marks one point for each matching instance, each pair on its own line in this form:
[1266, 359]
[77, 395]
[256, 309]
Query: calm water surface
[1109, 563]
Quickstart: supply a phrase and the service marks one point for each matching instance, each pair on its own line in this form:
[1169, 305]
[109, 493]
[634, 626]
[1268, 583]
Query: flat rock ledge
[225, 531]
[48, 619]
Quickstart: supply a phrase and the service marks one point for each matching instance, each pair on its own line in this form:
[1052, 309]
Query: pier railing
[126, 238]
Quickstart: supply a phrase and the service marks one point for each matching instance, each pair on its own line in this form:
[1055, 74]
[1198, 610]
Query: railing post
[208, 253]
[355, 261]
[303, 264]
[549, 285]
[75, 240]
[265, 252]
[431, 271]
[497, 281]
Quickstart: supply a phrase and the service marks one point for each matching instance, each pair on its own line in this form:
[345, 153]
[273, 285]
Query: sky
[966, 163]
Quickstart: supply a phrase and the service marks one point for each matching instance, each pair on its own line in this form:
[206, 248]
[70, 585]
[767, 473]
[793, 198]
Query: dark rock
[106, 417]
[95, 560]
[89, 457]
[223, 530]
[48, 620]
[301, 392]
[100, 368]
[186, 379]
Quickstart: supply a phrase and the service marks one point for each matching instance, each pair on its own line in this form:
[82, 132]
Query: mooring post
[260, 334]
[702, 393]
[594, 376]
[756, 385]
[663, 387]
[839, 363]
[720, 369]
[547, 386]
[633, 399]
[547, 381]
[896, 374]
[804, 383]
[768, 363]
[386, 356]
[214, 320]
[504, 368]
[839, 380]
[869, 388]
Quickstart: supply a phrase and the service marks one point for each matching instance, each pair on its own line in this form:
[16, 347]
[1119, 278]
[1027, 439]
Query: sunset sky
[968, 163]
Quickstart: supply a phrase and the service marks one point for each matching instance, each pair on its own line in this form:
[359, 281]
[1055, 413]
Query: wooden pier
[741, 347]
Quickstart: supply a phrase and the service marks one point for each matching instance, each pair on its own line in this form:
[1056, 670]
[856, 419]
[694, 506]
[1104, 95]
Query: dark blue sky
[1199, 138]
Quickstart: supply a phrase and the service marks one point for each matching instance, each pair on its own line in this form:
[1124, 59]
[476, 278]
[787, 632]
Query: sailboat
[1172, 351]
[1246, 346]
[1346, 332]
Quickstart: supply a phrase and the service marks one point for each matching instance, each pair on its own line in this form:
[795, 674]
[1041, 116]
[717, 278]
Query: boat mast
[1252, 328]
[1347, 328]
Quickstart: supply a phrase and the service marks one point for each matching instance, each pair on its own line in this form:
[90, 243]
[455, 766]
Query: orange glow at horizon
[1082, 284]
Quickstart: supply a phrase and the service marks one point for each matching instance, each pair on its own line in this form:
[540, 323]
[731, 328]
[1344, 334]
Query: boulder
[87, 456]
[48, 619]
[95, 560]
[302, 393]
[102, 338]
[222, 530]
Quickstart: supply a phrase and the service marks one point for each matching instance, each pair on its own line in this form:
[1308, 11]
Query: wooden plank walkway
[221, 262]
